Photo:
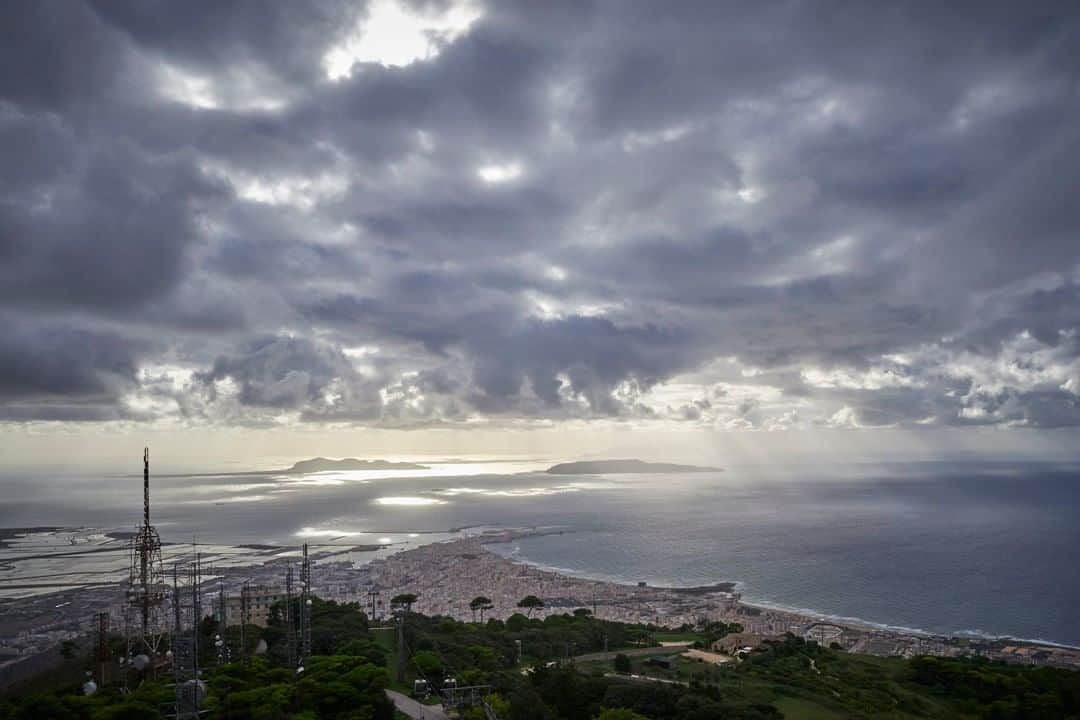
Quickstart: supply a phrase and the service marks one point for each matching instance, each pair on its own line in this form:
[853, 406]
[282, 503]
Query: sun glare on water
[408, 500]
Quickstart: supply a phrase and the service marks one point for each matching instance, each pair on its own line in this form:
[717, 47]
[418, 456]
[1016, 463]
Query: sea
[981, 549]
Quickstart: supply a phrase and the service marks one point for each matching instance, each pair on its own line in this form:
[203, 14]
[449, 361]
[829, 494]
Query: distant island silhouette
[592, 467]
[321, 464]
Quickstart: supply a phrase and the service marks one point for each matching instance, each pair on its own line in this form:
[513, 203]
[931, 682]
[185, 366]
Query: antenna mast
[146, 584]
[305, 608]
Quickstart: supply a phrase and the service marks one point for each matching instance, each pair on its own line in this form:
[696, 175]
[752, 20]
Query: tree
[404, 600]
[428, 664]
[622, 663]
[480, 603]
[620, 714]
[530, 603]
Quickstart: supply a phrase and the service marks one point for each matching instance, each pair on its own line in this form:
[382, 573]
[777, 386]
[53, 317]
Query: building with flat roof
[260, 598]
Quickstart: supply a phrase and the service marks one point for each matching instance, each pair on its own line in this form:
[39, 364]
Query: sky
[675, 230]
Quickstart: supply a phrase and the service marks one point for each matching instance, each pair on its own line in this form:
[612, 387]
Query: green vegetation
[482, 604]
[346, 678]
[530, 603]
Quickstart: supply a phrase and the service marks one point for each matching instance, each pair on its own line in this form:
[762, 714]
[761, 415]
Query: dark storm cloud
[112, 232]
[828, 214]
[57, 371]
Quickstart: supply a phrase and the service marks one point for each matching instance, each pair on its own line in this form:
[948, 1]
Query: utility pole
[372, 594]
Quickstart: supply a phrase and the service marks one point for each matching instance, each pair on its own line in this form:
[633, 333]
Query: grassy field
[844, 686]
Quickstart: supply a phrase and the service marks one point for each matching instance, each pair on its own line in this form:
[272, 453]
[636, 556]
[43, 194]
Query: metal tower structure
[372, 595]
[189, 690]
[305, 608]
[222, 627]
[146, 588]
[101, 648]
[289, 619]
[245, 590]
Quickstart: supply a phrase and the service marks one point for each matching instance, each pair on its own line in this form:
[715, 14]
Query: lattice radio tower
[305, 609]
[146, 589]
[290, 618]
[189, 689]
[101, 649]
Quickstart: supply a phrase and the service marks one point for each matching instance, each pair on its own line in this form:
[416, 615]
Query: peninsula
[598, 467]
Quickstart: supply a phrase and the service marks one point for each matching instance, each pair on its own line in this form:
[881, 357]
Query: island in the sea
[599, 467]
[321, 464]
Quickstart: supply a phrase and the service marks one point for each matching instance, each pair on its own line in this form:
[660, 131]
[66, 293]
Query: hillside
[353, 665]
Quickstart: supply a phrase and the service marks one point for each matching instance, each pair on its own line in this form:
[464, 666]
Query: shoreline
[764, 604]
[432, 572]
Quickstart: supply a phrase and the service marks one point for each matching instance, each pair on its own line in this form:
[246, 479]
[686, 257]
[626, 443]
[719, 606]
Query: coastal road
[414, 709]
[673, 649]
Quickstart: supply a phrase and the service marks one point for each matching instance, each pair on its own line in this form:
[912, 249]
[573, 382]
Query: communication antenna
[305, 608]
[290, 622]
[188, 689]
[146, 586]
[244, 590]
[222, 631]
[102, 649]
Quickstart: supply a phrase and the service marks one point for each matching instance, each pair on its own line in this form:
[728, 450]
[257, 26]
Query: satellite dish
[89, 687]
[141, 662]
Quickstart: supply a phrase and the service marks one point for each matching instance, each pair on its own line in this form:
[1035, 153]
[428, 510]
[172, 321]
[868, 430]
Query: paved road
[414, 709]
[634, 652]
[647, 678]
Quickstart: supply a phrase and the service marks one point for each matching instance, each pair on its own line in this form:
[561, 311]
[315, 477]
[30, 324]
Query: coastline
[446, 575]
[764, 604]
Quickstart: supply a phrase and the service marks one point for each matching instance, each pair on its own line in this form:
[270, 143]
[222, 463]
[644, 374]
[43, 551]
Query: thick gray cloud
[56, 371]
[768, 215]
